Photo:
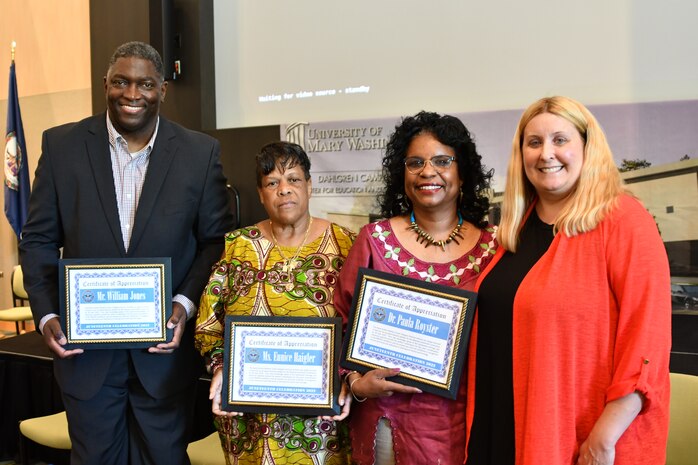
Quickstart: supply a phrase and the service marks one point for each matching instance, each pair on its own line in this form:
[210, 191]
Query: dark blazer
[183, 213]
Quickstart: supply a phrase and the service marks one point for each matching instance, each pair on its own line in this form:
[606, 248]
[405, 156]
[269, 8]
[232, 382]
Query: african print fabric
[251, 279]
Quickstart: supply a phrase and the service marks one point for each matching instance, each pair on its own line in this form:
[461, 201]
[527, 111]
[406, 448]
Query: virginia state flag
[16, 170]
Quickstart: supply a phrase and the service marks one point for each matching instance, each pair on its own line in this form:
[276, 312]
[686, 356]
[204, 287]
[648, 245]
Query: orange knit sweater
[591, 323]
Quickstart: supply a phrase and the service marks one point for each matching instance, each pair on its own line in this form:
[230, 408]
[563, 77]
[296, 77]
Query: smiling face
[432, 187]
[553, 154]
[285, 195]
[134, 91]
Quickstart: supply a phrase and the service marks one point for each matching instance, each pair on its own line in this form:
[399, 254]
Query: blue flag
[16, 170]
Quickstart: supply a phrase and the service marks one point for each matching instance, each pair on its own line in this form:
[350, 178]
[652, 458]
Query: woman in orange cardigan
[570, 356]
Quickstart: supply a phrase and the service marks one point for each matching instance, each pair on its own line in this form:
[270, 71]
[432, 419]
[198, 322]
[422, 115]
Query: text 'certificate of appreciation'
[114, 303]
[420, 327]
[281, 365]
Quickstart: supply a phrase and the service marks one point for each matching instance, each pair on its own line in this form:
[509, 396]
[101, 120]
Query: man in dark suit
[127, 183]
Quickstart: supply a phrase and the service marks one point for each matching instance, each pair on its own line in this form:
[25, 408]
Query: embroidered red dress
[426, 428]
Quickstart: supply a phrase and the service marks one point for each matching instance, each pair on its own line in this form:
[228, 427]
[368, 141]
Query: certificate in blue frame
[115, 302]
[420, 327]
[283, 365]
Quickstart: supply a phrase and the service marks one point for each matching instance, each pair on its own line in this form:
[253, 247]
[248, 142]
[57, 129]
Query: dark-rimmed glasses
[415, 165]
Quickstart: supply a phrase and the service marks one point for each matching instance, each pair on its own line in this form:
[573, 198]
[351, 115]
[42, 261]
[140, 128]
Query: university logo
[295, 133]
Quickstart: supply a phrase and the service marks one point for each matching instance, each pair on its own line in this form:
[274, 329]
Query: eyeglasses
[415, 165]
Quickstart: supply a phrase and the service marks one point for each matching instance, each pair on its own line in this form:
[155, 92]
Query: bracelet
[348, 374]
[216, 360]
[351, 389]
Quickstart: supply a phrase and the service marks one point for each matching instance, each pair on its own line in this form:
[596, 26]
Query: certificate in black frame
[116, 271]
[273, 341]
[429, 317]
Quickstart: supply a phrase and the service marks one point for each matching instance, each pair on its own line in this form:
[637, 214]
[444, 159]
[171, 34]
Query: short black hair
[139, 50]
[282, 154]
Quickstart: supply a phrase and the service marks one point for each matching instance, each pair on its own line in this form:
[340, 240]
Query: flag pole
[13, 46]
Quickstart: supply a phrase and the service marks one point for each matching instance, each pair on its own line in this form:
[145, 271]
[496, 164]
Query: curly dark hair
[282, 154]
[450, 131]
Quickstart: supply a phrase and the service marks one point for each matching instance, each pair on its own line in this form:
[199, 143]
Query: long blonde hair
[595, 192]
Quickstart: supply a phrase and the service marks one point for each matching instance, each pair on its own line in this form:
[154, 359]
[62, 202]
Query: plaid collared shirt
[129, 171]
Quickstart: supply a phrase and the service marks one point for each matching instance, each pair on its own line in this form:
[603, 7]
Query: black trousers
[123, 424]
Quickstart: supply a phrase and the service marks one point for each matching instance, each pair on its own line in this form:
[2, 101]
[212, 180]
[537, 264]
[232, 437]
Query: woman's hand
[344, 400]
[375, 384]
[214, 395]
[600, 447]
[595, 454]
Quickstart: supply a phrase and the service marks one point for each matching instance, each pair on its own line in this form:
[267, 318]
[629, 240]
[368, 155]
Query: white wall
[53, 79]
[447, 55]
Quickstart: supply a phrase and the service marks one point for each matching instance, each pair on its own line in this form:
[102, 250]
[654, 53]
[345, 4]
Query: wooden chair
[21, 311]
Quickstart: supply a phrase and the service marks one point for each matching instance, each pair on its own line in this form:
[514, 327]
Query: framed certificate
[420, 327]
[115, 303]
[284, 365]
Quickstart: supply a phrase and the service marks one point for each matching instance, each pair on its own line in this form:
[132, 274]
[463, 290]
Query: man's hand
[177, 322]
[55, 339]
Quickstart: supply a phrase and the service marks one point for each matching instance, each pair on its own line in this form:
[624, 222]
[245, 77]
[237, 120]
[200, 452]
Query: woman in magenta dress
[434, 205]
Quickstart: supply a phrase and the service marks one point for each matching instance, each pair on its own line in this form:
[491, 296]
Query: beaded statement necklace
[292, 263]
[426, 238]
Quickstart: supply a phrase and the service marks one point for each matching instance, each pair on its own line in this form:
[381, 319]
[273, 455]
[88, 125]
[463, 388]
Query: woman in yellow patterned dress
[286, 265]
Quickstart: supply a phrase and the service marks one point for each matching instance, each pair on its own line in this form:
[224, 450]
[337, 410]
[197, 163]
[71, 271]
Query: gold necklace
[425, 237]
[290, 264]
